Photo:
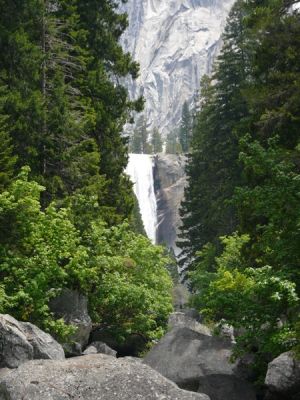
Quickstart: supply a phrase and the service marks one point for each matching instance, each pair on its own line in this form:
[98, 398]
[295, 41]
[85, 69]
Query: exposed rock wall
[175, 42]
[169, 181]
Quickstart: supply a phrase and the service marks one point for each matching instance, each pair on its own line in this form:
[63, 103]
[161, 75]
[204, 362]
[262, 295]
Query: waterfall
[140, 170]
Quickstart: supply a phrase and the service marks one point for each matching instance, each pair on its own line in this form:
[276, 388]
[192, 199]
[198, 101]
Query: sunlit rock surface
[175, 42]
[170, 181]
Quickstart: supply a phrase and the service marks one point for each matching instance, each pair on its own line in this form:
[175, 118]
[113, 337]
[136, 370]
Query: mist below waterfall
[140, 170]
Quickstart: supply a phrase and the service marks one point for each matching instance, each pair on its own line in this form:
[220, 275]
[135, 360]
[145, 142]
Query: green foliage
[41, 252]
[261, 302]
[132, 287]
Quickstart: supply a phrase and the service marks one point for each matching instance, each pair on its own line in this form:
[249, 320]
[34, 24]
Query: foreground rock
[199, 362]
[73, 308]
[283, 378]
[91, 377]
[21, 342]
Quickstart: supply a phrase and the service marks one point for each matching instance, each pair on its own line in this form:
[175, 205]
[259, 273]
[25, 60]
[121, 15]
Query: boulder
[183, 320]
[22, 341]
[196, 361]
[72, 307]
[226, 387]
[44, 346]
[99, 347]
[15, 349]
[91, 377]
[283, 378]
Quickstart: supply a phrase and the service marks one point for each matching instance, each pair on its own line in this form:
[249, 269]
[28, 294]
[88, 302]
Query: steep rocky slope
[175, 42]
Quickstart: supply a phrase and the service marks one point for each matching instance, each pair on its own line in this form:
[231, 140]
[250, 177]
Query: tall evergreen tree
[156, 141]
[61, 62]
[185, 131]
[213, 168]
[139, 140]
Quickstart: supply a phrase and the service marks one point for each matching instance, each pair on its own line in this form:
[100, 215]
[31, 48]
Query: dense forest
[240, 237]
[68, 216]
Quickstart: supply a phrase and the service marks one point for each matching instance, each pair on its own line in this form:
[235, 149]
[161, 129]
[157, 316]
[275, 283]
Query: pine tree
[156, 141]
[139, 141]
[7, 159]
[213, 168]
[185, 131]
[172, 144]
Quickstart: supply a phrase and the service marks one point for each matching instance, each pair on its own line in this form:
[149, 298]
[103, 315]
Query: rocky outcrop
[183, 320]
[169, 183]
[199, 362]
[99, 347]
[72, 307]
[175, 42]
[91, 377]
[21, 342]
[283, 378]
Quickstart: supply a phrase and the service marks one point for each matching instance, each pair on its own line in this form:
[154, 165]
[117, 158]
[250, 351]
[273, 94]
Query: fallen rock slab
[184, 320]
[91, 377]
[195, 361]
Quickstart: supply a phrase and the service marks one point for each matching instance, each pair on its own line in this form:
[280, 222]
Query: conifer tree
[213, 168]
[185, 131]
[172, 144]
[156, 141]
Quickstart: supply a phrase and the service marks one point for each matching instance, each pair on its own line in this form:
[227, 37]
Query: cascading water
[140, 170]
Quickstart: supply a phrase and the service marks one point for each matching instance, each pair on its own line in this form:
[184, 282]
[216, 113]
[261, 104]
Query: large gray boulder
[22, 341]
[72, 306]
[44, 346]
[91, 377]
[15, 349]
[283, 378]
[196, 361]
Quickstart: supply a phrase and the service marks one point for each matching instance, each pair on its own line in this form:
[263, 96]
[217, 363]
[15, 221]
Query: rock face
[72, 307]
[283, 378]
[99, 347]
[175, 42]
[169, 181]
[44, 346]
[199, 362]
[182, 320]
[92, 377]
[21, 342]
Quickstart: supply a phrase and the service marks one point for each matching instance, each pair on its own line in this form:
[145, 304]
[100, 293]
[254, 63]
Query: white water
[140, 170]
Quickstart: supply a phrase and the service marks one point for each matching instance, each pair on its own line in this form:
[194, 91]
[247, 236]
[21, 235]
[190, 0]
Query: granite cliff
[169, 183]
[175, 42]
